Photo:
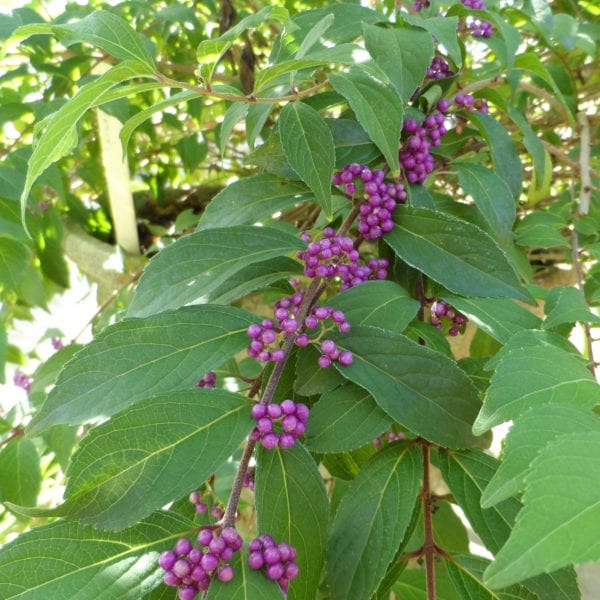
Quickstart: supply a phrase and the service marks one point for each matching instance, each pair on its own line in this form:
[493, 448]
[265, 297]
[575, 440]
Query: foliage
[350, 221]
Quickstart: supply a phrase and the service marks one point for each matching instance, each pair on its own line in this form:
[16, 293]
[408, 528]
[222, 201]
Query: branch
[429, 548]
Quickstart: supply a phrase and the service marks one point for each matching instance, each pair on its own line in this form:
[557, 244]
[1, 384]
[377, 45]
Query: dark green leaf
[292, 506]
[352, 143]
[308, 146]
[404, 54]
[312, 379]
[378, 109]
[371, 522]
[566, 304]
[412, 586]
[419, 388]
[192, 269]
[457, 254]
[20, 473]
[82, 563]
[528, 377]
[443, 29]
[528, 436]
[344, 419]
[137, 358]
[543, 229]
[563, 487]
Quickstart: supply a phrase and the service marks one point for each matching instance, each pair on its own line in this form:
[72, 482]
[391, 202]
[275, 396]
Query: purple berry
[225, 573]
[255, 560]
[167, 559]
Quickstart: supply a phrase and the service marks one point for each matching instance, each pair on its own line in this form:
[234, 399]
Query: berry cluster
[415, 158]
[57, 343]
[441, 308]
[21, 380]
[277, 559]
[196, 499]
[208, 380]
[421, 4]
[389, 437]
[380, 198]
[478, 27]
[463, 101]
[331, 353]
[438, 69]
[191, 568]
[279, 424]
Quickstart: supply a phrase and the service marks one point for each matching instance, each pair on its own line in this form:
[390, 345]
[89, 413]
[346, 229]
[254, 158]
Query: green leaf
[313, 36]
[234, 114]
[312, 379]
[137, 358]
[443, 29]
[345, 419]
[565, 304]
[20, 472]
[82, 563]
[60, 135]
[153, 453]
[292, 506]
[308, 146]
[253, 199]
[492, 197]
[382, 304]
[110, 33]
[419, 388]
[503, 150]
[193, 268]
[500, 318]
[563, 487]
[467, 473]
[371, 522]
[527, 377]
[378, 109]
[14, 260]
[530, 433]
[543, 229]
[412, 586]
[352, 143]
[404, 54]
[457, 254]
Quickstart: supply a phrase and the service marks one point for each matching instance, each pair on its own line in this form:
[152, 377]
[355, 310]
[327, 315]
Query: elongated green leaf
[153, 453]
[467, 474]
[492, 197]
[137, 358]
[443, 29]
[109, 32]
[352, 142]
[530, 433]
[378, 108]
[558, 525]
[14, 259]
[60, 135]
[528, 377]
[457, 254]
[20, 472]
[371, 522]
[419, 388]
[466, 574]
[308, 145]
[253, 199]
[247, 583]
[314, 35]
[502, 149]
[377, 303]
[235, 113]
[22, 33]
[412, 586]
[345, 419]
[567, 305]
[134, 122]
[192, 269]
[292, 506]
[274, 72]
[404, 54]
[82, 563]
[312, 379]
[499, 317]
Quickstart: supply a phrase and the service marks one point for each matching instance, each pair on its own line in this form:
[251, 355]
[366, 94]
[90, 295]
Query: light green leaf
[371, 522]
[110, 33]
[235, 113]
[404, 54]
[500, 318]
[308, 146]
[292, 506]
[314, 35]
[567, 305]
[151, 454]
[83, 563]
[412, 586]
[20, 472]
[137, 358]
[192, 269]
[492, 197]
[419, 388]
[528, 436]
[22, 33]
[60, 135]
[378, 108]
[543, 229]
[457, 254]
[345, 419]
[558, 525]
[443, 29]
[382, 304]
[14, 259]
[528, 377]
